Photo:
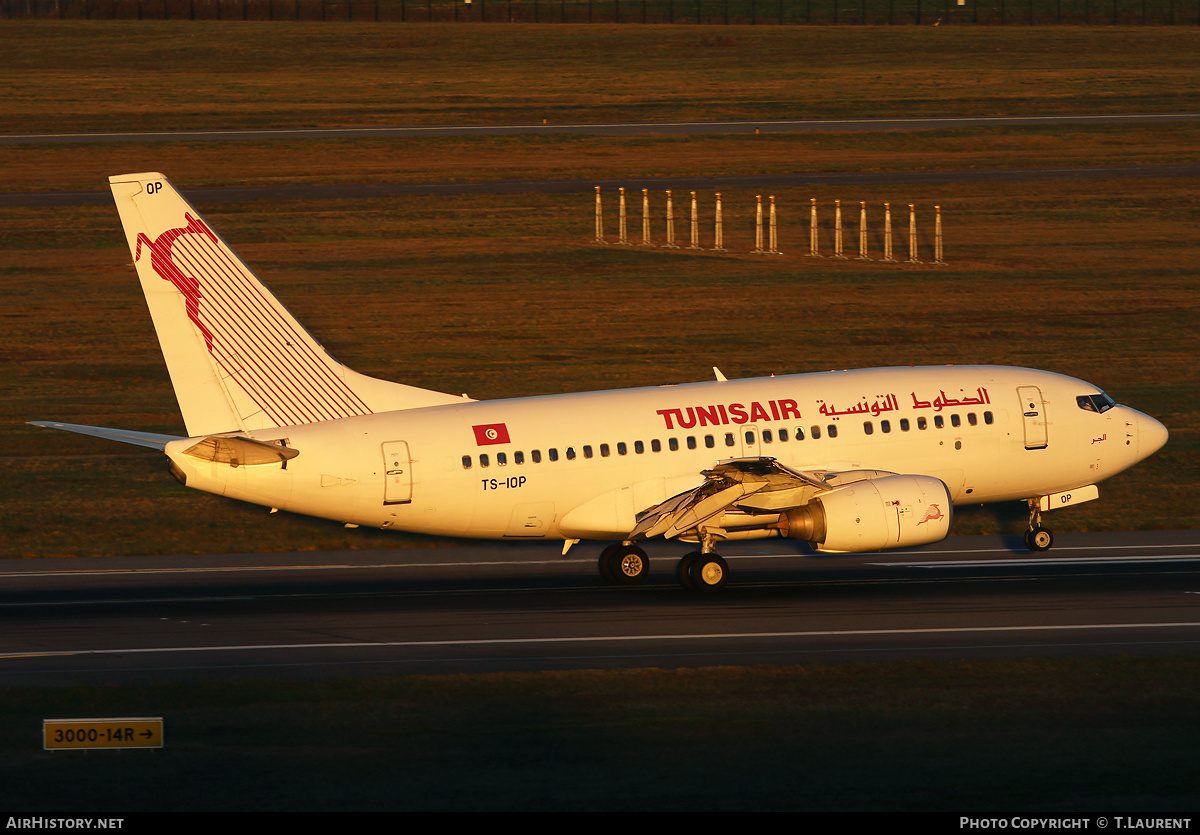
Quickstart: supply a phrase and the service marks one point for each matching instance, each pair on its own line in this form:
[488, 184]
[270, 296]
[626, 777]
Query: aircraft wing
[125, 436]
[750, 485]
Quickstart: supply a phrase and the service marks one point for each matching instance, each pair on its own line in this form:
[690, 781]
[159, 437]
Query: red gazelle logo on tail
[162, 261]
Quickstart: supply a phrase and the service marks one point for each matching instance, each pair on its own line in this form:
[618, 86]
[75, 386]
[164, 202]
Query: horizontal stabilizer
[238, 451]
[125, 436]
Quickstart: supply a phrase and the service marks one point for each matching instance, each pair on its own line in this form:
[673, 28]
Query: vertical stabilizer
[237, 358]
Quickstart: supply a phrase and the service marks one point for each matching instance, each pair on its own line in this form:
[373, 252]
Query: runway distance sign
[102, 733]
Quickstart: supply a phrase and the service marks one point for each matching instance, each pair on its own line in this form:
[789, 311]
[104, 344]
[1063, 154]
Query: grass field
[705, 12]
[155, 75]
[505, 295]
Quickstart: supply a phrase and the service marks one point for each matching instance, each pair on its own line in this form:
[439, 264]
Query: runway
[485, 607]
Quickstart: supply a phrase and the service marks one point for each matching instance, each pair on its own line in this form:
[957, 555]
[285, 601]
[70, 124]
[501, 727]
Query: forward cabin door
[1033, 411]
[397, 467]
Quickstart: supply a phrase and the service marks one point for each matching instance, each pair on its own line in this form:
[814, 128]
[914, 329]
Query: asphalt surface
[368, 190]
[485, 607]
[346, 191]
[603, 129]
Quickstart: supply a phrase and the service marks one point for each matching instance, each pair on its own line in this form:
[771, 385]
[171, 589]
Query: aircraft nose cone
[1151, 435]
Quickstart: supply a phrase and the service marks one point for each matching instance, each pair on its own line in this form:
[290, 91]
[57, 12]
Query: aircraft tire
[709, 572]
[606, 564]
[628, 564]
[1039, 539]
[684, 572]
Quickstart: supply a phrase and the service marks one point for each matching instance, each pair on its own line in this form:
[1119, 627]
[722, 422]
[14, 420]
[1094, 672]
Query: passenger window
[483, 460]
[749, 439]
[603, 450]
[570, 453]
[767, 437]
[814, 432]
[621, 448]
[729, 439]
[501, 459]
[639, 447]
[466, 462]
[553, 454]
[832, 431]
[782, 435]
[536, 456]
[939, 422]
[673, 443]
[987, 418]
[691, 441]
[710, 441]
[955, 420]
[587, 451]
[885, 426]
[921, 424]
[971, 419]
[903, 424]
[868, 429]
[799, 434]
[656, 445]
[518, 457]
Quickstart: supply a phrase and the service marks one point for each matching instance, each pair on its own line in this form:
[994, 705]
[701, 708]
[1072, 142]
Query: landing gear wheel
[606, 566]
[708, 572]
[1039, 539]
[684, 572]
[626, 564]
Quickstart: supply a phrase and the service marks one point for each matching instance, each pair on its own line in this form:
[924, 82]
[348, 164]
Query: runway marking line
[581, 561]
[1045, 561]
[598, 639]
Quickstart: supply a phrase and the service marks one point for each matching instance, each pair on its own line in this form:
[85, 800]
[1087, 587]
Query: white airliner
[847, 460]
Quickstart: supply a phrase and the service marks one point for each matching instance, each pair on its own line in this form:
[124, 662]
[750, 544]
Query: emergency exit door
[397, 479]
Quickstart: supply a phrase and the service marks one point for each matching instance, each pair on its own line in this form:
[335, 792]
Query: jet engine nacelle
[875, 514]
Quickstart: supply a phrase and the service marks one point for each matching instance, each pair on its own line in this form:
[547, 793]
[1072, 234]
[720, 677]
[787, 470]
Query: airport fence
[705, 12]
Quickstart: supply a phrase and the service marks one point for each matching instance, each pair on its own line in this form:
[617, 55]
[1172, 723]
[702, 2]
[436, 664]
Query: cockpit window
[1095, 402]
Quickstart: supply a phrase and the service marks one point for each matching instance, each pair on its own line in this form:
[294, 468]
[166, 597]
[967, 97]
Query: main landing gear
[627, 564]
[699, 571]
[1037, 538]
[624, 564]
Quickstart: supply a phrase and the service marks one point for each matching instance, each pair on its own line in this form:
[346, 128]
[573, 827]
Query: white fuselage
[583, 465]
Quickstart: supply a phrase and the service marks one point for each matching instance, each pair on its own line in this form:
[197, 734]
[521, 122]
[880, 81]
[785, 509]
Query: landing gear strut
[1037, 538]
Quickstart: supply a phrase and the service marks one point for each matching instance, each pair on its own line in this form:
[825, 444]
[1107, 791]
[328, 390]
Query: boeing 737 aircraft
[846, 460]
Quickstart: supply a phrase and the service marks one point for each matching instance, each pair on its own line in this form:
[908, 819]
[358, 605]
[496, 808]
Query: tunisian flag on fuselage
[491, 433]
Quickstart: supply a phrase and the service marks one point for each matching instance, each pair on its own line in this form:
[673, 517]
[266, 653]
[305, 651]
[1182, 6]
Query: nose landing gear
[1037, 538]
